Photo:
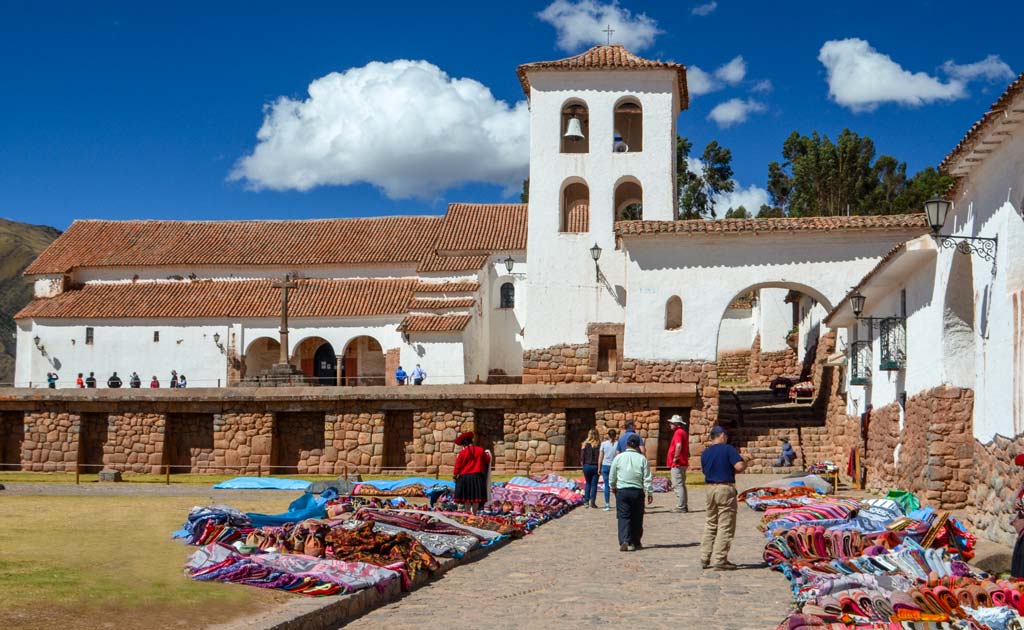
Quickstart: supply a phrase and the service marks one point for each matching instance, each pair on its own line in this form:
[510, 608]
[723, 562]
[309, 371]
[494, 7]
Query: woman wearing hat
[1017, 564]
[471, 467]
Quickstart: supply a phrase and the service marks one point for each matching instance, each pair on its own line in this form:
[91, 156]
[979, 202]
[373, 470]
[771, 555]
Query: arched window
[674, 313]
[508, 295]
[629, 126]
[575, 127]
[629, 201]
[575, 208]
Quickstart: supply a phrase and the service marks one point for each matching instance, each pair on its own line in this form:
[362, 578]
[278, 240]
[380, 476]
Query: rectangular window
[607, 354]
[156, 336]
[88, 335]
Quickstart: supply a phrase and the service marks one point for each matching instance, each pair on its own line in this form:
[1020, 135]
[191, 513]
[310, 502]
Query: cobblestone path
[570, 574]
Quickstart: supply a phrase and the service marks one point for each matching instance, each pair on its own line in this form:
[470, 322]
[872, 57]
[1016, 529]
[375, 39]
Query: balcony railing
[860, 363]
[893, 344]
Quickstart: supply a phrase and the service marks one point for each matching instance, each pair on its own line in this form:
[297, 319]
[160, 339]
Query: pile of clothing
[338, 544]
[408, 487]
[876, 564]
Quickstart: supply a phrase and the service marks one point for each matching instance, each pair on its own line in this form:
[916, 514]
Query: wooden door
[397, 438]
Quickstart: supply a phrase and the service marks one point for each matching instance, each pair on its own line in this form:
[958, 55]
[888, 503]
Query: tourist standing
[471, 467]
[589, 454]
[174, 379]
[400, 375]
[418, 375]
[114, 382]
[720, 463]
[630, 479]
[79, 382]
[679, 461]
[90, 381]
[630, 430]
[154, 384]
[134, 381]
[608, 453]
[182, 383]
[51, 380]
[1017, 562]
[788, 455]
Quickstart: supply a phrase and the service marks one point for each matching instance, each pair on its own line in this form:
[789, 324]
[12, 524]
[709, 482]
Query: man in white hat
[679, 461]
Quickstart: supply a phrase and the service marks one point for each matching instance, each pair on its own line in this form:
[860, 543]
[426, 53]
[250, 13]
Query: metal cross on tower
[609, 31]
[284, 285]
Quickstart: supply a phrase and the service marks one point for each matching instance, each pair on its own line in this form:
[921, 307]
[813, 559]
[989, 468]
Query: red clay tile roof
[420, 304]
[400, 239]
[435, 263]
[447, 287]
[434, 323]
[212, 298]
[755, 226]
[475, 228]
[613, 57]
[996, 115]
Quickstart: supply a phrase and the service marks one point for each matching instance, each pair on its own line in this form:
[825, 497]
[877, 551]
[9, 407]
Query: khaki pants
[679, 485]
[720, 525]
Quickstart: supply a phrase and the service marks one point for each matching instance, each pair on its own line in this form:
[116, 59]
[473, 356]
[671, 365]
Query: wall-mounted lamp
[595, 253]
[216, 338]
[405, 336]
[39, 342]
[509, 264]
[936, 210]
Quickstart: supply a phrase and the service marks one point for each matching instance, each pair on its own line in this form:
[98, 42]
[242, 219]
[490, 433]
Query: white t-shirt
[607, 452]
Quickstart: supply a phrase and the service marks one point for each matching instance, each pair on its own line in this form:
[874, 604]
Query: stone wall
[568, 363]
[241, 441]
[734, 367]
[764, 366]
[993, 492]
[135, 442]
[51, 441]
[189, 442]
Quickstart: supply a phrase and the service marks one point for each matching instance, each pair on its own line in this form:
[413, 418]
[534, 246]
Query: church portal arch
[260, 354]
[315, 357]
[363, 362]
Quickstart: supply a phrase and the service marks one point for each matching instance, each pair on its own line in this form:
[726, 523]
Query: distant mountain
[20, 243]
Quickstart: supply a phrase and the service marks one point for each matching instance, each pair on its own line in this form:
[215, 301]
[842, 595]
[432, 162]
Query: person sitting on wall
[400, 375]
[788, 455]
[114, 382]
[90, 382]
[134, 381]
[154, 384]
[182, 383]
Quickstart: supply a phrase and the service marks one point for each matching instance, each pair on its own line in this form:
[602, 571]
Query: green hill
[20, 243]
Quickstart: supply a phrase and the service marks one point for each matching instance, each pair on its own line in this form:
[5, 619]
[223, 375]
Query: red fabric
[680, 436]
[464, 437]
[1019, 460]
[471, 459]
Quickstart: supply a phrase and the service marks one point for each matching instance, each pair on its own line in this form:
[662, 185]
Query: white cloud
[734, 111]
[861, 78]
[582, 23]
[762, 87]
[752, 198]
[991, 68]
[704, 9]
[403, 126]
[699, 82]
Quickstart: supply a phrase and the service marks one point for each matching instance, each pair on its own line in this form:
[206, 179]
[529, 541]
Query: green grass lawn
[95, 562]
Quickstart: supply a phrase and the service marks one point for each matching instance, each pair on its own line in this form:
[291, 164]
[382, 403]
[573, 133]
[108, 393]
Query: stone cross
[609, 31]
[284, 285]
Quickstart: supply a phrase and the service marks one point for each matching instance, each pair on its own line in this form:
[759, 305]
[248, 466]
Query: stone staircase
[758, 419]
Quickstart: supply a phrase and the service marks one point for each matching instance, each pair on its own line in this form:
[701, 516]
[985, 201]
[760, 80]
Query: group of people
[417, 376]
[178, 381]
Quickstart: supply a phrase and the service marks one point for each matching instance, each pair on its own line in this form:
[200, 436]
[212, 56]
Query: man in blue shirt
[418, 375]
[720, 462]
[400, 375]
[624, 439]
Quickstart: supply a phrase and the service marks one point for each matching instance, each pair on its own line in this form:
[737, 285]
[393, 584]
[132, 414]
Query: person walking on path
[608, 454]
[79, 383]
[630, 430]
[400, 375]
[134, 381]
[720, 463]
[90, 382]
[631, 479]
[472, 465]
[114, 382]
[589, 457]
[418, 375]
[679, 461]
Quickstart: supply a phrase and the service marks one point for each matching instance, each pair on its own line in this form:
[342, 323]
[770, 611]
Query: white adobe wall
[811, 327]
[565, 296]
[737, 330]
[776, 319]
[708, 272]
[504, 341]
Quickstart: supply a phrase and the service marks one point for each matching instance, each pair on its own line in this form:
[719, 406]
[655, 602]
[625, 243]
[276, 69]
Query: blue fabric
[306, 506]
[620, 446]
[395, 484]
[262, 483]
[606, 473]
[717, 462]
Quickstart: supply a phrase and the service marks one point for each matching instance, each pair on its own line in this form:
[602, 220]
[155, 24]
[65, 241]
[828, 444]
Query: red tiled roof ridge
[605, 57]
[434, 323]
[785, 224]
[476, 228]
[977, 130]
[447, 286]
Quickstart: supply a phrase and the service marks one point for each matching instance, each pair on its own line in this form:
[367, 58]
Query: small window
[607, 353]
[674, 313]
[156, 336]
[88, 335]
[508, 295]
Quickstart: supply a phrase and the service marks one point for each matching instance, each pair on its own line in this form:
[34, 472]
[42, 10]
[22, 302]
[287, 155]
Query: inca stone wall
[134, 442]
[734, 367]
[765, 366]
[241, 441]
[51, 441]
[993, 493]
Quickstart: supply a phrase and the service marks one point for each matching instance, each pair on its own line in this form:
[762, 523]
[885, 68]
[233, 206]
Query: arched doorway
[325, 365]
[363, 362]
[261, 353]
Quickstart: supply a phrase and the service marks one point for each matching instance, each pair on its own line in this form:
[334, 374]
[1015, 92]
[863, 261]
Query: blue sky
[145, 110]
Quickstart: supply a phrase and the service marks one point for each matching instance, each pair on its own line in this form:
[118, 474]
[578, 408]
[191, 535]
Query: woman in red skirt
[471, 467]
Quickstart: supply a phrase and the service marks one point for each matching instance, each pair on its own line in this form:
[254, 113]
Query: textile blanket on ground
[262, 483]
[661, 484]
[408, 487]
[863, 564]
[544, 481]
[306, 506]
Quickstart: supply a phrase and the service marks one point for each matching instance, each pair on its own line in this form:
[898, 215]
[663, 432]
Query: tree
[769, 212]
[632, 212]
[737, 213]
[697, 190]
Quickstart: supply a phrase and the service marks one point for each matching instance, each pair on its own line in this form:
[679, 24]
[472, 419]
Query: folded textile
[263, 483]
[306, 506]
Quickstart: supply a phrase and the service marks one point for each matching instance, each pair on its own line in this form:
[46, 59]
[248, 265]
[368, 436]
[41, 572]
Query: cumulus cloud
[734, 111]
[991, 68]
[700, 82]
[582, 23]
[704, 9]
[861, 78]
[403, 126]
[752, 198]
[762, 87]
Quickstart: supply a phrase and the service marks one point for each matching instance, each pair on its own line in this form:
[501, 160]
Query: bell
[574, 131]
